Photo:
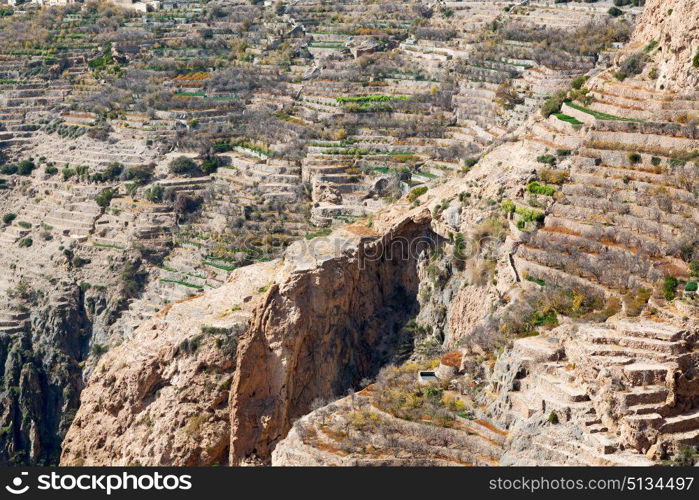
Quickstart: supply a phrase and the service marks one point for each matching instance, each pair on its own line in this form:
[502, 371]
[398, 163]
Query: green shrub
[676, 162]
[104, 198]
[670, 285]
[553, 104]
[80, 261]
[691, 286]
[694, 268]
[140, 174]
[191, 345]
[536, 188]
[547, 318]
[215, 330]
[154, 193]
[615, 12]
[132, 279]
[51, 170]
[459, 247]
[322, 233]
[553, 418]
[634, 158]
[508, 206]
[183, 165]
[470, 162]
[651, 45]
[371, 98]
[579, 82]
[111, 173]
[416, 193]
[67, 173]
[82, 171]
[25, 243]
[100, 62]
[98, 349]
[655, 161]
[9, 217]
[25, 167]
[8, 169]
[686, 456]
[547, 159]
[210, 165]
[530, 215]
[24, 224]
[695, 61]
[538, 281]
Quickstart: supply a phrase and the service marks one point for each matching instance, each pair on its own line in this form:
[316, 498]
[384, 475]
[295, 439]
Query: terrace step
[688, 438]
[638, 343]
[643, 373]
[681, 423]
[645, 395]
[646, 409]
[561, 390]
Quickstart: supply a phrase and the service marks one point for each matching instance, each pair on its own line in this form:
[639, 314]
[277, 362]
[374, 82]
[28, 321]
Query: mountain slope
[674, 26]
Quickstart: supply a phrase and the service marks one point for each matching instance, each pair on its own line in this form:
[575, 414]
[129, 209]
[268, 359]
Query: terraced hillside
[248, 152]
[622, 228]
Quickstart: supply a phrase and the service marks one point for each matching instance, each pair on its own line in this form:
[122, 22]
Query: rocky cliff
[161, 397]
[322, 331]
[42, 375]
[53, 328]
[674, 26]
[310, 326]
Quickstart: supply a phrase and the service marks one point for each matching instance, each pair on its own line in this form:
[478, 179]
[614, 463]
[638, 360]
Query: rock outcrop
[41, 353]
[323, 331]
[161, 397]
[674, 26]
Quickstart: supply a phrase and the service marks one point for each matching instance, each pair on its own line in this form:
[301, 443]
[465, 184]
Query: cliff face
[311, 326]
[161, 398]
[674, 25]
[42, 376]
[53, 326]
[322, 331]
